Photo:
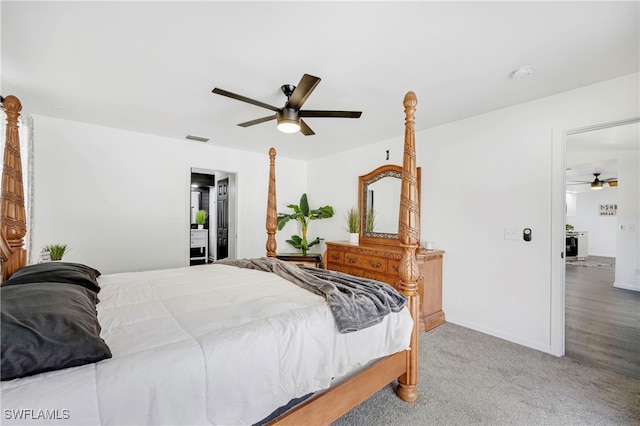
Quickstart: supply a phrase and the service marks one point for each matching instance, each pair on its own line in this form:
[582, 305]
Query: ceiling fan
[289, 117]
[597, 183]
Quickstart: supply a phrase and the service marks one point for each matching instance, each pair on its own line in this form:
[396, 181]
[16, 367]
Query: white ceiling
[150, 66]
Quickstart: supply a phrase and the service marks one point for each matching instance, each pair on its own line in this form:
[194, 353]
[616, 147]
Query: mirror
[195, 205]
[379, 203]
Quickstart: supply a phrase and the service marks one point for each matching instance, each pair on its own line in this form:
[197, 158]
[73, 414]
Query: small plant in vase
[201, 218]
[353, 225]
[303, 215]
[56, 251]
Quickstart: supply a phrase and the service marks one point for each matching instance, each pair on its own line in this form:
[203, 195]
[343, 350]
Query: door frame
[558, 223]
[233, 210]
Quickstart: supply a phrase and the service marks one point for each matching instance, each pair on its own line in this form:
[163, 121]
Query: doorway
[213, 191]
[601, 319]
[222, 233]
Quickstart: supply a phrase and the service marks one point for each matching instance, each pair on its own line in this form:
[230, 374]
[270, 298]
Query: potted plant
[56, 251]
[353, 225]
[201, 218]
[303, 215]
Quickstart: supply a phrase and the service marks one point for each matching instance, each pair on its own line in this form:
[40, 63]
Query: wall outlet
[511, 234]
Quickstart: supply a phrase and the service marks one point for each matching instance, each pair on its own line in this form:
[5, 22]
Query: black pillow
[47, 327]
[56, 272]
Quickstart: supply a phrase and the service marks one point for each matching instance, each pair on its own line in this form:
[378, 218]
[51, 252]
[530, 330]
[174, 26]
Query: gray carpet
[470, 378]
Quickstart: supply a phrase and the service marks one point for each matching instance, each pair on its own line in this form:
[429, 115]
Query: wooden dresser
[381, 262]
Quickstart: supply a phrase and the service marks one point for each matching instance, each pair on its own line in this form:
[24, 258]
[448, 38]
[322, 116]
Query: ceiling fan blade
[258, 121]
[338, 114]
[302, 91]
[306, 130]
[243, 99]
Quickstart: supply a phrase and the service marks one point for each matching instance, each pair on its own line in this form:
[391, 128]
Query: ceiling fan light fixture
[288, 120]
[597, 183]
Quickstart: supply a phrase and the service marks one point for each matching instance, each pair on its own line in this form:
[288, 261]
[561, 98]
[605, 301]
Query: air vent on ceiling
[197, 138]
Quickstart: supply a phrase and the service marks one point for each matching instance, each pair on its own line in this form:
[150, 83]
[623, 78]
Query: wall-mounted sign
[608, 209]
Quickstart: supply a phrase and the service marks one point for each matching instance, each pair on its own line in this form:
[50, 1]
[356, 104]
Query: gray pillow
[56, 272]
[46, 327]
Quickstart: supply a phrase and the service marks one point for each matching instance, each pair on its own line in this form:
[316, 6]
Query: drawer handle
[396, 268]
[335, 256]
[352, 259]
[375, 265]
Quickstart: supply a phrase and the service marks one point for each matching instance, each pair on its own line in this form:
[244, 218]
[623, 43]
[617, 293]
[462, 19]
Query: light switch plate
[511, 234]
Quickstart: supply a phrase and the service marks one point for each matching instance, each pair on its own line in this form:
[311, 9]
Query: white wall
[120, 199]
[628, 221]
[480, 176]
[615, 236]
[601, 230]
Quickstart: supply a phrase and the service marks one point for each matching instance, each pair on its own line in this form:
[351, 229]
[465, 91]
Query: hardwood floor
[602, 323]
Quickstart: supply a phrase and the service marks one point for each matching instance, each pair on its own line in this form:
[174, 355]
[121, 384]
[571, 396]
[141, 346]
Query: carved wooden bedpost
[409, 236]
[272, 215]
[12, 217]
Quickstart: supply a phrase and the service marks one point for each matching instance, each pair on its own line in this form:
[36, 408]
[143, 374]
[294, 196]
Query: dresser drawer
[198, 238]
[372, 275]
[362, 273]
[335, 256]
[393, 267]
[374, 264]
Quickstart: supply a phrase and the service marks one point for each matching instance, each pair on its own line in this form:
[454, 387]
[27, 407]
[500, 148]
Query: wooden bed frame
[13, 220]
[333, 403]
[403, 366]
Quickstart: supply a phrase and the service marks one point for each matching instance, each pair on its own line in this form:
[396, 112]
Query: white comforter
[209, 344]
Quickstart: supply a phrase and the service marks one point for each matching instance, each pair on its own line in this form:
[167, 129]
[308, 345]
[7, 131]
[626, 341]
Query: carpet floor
[470, 378]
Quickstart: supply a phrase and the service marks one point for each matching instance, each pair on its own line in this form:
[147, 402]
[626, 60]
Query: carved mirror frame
[387, 171]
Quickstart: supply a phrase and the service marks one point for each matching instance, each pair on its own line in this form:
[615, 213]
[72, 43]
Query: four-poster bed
[12, 212]
[371, 357]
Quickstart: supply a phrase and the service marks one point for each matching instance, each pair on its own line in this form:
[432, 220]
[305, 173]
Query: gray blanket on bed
[356, 303]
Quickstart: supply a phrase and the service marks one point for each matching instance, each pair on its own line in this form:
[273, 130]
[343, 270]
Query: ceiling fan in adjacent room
[597, 183]
[289, 117]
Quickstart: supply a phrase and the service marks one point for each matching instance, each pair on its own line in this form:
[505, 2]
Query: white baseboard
[546, 348]
[627, 286]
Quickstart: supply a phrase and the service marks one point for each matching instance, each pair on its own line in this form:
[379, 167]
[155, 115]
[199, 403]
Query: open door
[222, 233]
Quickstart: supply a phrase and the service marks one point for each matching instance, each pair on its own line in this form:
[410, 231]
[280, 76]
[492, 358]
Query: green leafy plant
[201, 217]
[370, 220]
[56, 251]
[353, 220]
[303, 215]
